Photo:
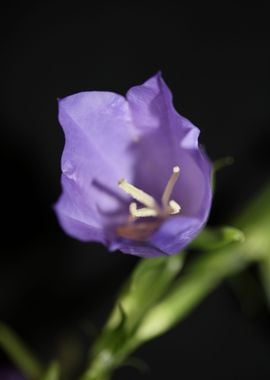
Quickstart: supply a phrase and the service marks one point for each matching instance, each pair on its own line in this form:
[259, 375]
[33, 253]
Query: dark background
[216, 61]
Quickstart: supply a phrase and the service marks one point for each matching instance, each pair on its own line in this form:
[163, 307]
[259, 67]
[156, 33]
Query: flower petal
[172, 236]
[136, 248]
[97, 127]
[176, 233]
[173, 140]
[98, 133]
[154, 151]
[76, 216]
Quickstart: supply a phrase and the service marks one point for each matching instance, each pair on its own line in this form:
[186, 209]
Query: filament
[137, 194]
[170, 186]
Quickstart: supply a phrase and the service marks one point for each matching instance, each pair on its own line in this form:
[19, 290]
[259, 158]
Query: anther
[142, 212]
[174, 207]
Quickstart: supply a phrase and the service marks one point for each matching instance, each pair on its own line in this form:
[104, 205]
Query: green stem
[199, 278]
[52, 372]
[19, 353]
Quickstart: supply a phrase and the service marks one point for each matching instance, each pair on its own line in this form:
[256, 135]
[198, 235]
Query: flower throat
[140, 230]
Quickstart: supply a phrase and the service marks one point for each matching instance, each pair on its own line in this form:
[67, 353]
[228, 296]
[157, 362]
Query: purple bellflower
[133, 175]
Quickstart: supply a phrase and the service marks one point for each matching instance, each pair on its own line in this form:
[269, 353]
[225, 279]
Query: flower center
[136, 228]
[150, 207]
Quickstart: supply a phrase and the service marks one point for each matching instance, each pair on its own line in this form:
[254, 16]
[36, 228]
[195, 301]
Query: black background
[216, 61]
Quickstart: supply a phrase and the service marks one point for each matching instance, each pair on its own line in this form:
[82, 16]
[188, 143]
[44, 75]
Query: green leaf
[199, 278]
[223, 163]
[255, 222]
[21, 356]
[217, 238]
[52, 372]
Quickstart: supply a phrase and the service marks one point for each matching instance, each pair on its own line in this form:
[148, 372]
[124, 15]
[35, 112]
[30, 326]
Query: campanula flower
[133, 175]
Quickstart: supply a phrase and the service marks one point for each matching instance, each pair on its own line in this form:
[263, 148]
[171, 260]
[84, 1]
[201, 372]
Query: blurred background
[56, 291]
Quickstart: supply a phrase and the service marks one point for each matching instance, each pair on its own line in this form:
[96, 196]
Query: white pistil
[170, 186]
[169, 207]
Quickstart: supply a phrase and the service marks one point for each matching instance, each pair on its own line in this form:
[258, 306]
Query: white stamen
[138, 194]
[142, 212]
[170, 186]
[152, 209]
[174, 207]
